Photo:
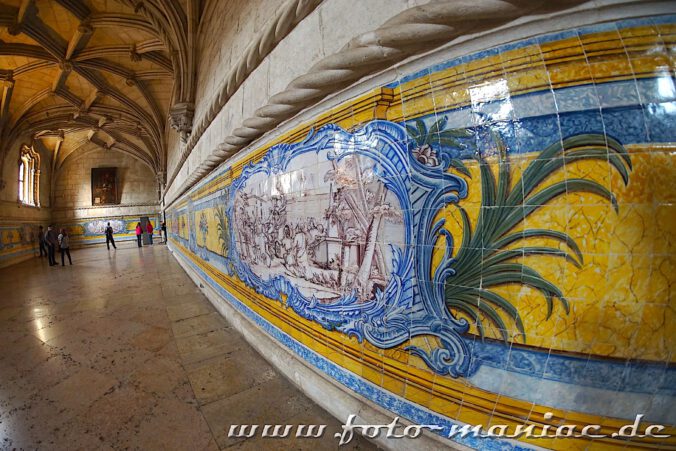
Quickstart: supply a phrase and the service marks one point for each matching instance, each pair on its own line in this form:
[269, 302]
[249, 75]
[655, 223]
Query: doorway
[144, 226]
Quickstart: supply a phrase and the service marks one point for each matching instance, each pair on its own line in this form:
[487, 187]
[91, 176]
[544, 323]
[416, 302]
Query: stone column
[36, 187]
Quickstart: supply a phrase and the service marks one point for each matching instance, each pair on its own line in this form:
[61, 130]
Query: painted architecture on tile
[483, 241]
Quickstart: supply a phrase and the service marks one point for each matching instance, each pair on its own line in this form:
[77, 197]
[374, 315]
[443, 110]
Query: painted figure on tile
[329, 243]
[192, 227]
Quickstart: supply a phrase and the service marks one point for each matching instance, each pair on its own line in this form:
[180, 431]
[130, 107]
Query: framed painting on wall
[104, 186]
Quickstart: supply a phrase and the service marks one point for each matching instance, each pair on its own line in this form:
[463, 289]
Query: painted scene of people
[327, 226]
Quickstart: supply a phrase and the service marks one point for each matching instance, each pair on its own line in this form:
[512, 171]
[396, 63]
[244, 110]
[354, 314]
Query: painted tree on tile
[222, 224]
[491, 253]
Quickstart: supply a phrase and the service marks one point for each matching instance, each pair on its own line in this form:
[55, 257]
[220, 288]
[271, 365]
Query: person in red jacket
[139, 233]
[149, 229]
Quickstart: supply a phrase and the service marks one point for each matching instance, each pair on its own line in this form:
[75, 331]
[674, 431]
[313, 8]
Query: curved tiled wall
[484, 241]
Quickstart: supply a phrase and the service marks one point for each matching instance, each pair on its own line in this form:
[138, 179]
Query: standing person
[109, 237]
[139, 233]
[149, 229]
[52, 242]
[41, 241]
[164, 231]
[64, 247]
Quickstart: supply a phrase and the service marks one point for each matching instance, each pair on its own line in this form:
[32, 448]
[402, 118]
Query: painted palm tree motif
[222, 229]
[222, 222]
[491, 252]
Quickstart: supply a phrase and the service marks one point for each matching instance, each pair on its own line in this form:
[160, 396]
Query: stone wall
[480, 236]
[331, 25]
[73, 200]
[72, 191]
[19, 223]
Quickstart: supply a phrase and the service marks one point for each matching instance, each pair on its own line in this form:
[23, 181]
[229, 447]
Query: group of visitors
[149, 229]
[50, 241]
[139, 234]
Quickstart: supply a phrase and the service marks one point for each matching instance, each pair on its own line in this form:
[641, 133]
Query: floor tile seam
[192, 388]
[221, 397]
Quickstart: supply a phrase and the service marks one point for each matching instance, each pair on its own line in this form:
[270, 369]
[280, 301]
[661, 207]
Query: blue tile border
[395, 404]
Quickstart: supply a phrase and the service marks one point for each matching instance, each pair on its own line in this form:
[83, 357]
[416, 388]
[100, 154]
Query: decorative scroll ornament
[386, 311]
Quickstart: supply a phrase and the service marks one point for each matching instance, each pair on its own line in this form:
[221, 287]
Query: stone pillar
[36, 187]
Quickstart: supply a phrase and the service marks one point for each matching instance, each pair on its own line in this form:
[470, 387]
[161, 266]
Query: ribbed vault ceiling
[85, 74]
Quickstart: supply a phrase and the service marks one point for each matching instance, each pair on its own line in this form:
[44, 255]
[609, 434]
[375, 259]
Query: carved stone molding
[161, 177]
[180, 119]
[286, 20]
[411, 32]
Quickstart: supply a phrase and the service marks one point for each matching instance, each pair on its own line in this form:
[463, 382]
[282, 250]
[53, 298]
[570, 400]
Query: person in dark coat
[52, 242]
[109, 237]
[41, 242]
[164, 231]
[64, 247]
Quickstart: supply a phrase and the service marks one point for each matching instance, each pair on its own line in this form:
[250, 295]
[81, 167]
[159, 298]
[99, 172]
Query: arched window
[29, 177]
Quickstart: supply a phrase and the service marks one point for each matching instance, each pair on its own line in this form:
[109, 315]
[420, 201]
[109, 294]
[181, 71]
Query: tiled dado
[18, 241]
[93, 230]
[489, 239]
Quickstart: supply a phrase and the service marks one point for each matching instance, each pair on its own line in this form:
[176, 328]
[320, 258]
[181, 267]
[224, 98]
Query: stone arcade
[405, 224]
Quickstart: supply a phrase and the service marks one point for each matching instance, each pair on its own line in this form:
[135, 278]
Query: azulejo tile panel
[489, 239]
[93, 230]
[18, 241]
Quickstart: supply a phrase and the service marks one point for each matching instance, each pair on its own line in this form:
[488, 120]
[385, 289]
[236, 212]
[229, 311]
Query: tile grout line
[185, 371]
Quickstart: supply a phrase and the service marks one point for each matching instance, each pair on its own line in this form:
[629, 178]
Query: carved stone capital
[7, 77]
[180, 119]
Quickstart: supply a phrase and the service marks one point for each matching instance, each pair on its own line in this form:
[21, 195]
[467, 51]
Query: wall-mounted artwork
[480, 247]
[104, 186]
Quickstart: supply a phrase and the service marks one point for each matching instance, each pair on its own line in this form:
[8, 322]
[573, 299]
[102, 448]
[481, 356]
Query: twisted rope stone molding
[413, 31]
[292, 13]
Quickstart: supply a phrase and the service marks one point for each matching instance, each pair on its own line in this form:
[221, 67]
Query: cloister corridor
[122, 351]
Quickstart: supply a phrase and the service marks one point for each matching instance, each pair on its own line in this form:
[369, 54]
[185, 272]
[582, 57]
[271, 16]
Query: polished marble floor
[122, 351]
